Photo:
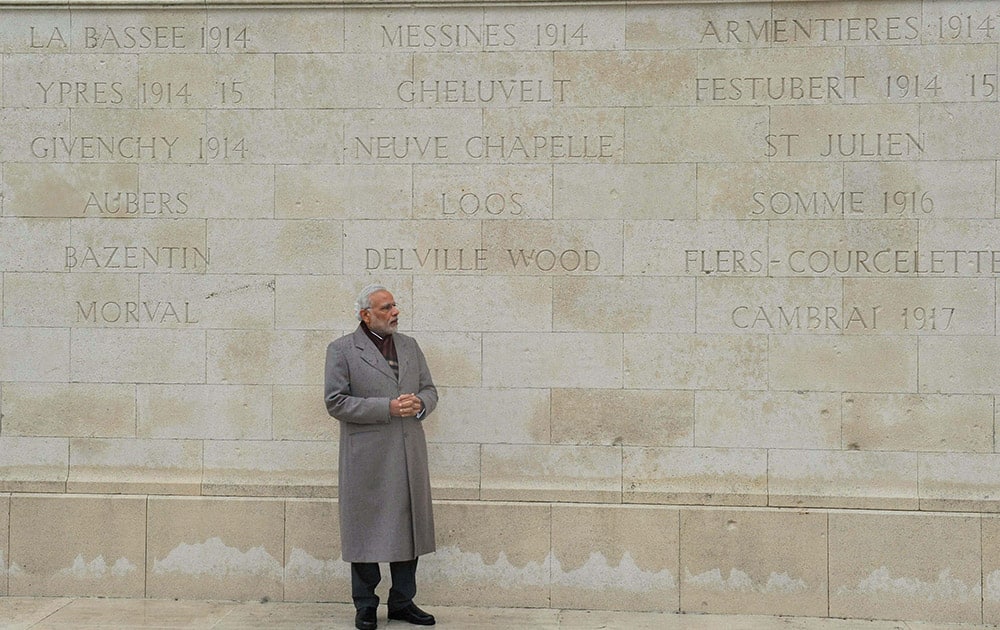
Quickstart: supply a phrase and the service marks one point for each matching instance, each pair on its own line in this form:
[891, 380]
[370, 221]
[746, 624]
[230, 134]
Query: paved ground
[63, 613]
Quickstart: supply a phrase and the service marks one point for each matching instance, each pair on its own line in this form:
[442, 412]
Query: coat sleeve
[340, 402]
[427, 393]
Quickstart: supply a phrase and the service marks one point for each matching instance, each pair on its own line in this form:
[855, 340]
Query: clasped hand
[406, 406]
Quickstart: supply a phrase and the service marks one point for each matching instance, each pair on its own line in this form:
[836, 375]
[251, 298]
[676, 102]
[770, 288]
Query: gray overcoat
[385, 489]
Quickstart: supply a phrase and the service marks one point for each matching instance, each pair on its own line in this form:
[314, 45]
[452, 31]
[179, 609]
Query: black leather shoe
[412, 614]
[366, 619]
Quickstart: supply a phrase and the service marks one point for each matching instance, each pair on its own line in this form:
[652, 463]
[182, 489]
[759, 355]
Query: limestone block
[208, 301]
[342, 191]
[626, 78]
[342, 80]
[21, 239]
[99, 31]
[927, 306]
[679, 248]
[482, 191]
[501, 304]
[552, 360]
[298, 413]
[85, 546]
[877, 570]
[649, 27]
[918, 422]
[490, 416]
[955, 131]
[991, 569]
[796, 420]
[610, 304]
[271, 136]
[216, 81]
[843, 248]
[516, 79]
[314, 570]
[898, 67]
[130, 136]
[263, 357]
[138, 356]
[705, 476]
[843, 363]
[973, 238]
[605, 556]
[77, 300]
[275, 246]
[416, 247]
[270, 468]
[139, 466]
[404, 136]
[49, 349]
[68, 409]
[546, 248]
[215, 548]
[51, 26]
[528, 472]
[33, 464]
[203, 412]
[690, 134]
[401, 29]
[890, 132]
[489, 553]
[847, 479]
[4, 542]
[577, 27]
[689, 361]
[455, 359]
[780, 306]
[959, 365]
[63, 190]
[550, 135]
[629, 417]
[455, 470]
[774, 192]
[623, 191]
[275, 30]
[214, 191]
[959, 482]
[756, 562]
[22, 142]
[819, 77]
[923, 190]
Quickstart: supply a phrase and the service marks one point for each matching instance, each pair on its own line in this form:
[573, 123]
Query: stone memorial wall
[709, 291]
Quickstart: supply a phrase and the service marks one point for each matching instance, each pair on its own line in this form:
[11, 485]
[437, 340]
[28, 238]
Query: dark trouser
[365, 576]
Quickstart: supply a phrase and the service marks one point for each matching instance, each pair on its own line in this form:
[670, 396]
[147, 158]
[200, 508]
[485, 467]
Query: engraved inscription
[861, 262]
[126, 312]
[777, 89]
[103, 147]
[823, 204]
[81, 92]
[799, 317]
[833, 29]
[427, 259]
[491, 203]
[130, 203]
[864, 145]
[484, 91]
[135, 257]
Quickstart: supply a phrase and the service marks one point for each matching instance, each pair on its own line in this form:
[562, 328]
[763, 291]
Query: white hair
[364, 300]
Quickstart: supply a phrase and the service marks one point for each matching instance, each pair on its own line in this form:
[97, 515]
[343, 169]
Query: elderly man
[379, 388]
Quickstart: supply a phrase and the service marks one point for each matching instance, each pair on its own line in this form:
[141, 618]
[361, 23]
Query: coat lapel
[370, 354]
